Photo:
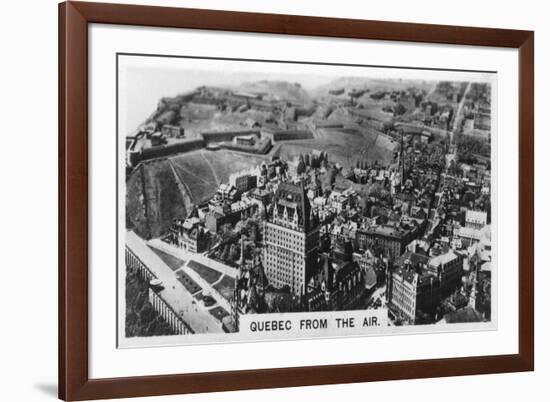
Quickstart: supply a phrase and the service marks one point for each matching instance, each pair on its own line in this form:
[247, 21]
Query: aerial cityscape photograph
[281, 192]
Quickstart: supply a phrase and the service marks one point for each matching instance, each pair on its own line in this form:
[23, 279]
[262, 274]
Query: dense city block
[266, 197]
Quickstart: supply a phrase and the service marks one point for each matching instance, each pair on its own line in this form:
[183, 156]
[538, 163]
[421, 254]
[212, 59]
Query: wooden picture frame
[74, 381]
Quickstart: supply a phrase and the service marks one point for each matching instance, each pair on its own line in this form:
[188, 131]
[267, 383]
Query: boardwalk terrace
[291, 238]
[172, 300]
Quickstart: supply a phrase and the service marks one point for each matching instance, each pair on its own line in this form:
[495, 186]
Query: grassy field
[197, 175]
[226, 162]
[218, 312]
[189, 283]
[203, 171]
[162, 190]
[226, 287]
[173, 262]
[136, 207]
[153, 199]
[345, 148]
[208, 274]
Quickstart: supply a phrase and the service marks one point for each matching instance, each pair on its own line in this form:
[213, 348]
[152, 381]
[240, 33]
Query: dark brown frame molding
[74, 17]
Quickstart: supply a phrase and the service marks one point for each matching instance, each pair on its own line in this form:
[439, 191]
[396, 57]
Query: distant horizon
[145, 86]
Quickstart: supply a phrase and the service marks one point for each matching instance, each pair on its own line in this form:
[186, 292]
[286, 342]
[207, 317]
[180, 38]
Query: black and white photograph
[267, 200]
[275, 201]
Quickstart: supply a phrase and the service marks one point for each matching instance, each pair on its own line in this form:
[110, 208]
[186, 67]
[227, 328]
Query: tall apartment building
[291, 236]
[419, 283]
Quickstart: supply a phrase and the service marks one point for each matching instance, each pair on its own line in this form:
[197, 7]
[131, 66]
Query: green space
[226, 287]
[218, 312]
[141, 317]
[173, 262]
[189, 283]
[208, 274]
[153, 199]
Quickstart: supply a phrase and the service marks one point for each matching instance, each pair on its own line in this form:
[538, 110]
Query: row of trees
[468, 147]
[311, 160]
[230, 250]
[365, 164]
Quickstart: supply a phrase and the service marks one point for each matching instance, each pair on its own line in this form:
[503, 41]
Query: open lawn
[153, 199]
[197, 175]
[226, 287]
[160, 191]
[208, 274]
[202, 171]
[218, 312]
[344, 146]
[173, 262]
[189, 283]
[224, 163]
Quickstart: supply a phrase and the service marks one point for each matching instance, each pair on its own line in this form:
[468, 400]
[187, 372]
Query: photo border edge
[74, 382]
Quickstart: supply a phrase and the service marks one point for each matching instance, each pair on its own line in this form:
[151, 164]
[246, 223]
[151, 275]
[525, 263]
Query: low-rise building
[228, 213]
[373, 268]
[173, 131]
[392, 237]
[248, 140]
[340, 199]
[475, 219]
[228, 192]
[188, 234]
[245, 182]
[337, 285]
[263, 195]
[449, 268]
[158, 139]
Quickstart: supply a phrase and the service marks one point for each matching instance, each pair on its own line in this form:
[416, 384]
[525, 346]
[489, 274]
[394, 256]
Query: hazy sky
[145, 87]
[144, 80]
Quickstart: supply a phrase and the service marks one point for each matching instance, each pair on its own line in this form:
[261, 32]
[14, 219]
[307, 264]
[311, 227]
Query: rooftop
[443, 258]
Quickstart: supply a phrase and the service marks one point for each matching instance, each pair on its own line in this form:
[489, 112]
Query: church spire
[242, 261]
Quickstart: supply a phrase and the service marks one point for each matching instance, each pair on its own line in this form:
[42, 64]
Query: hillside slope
[153, 199]
[162, 190]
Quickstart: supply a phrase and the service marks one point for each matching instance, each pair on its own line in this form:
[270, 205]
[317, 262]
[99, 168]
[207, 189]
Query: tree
[300, 169]
[378, 191]
[348, 250]
[253, 231]
[328, 179]
[235, 252]
[399, 109]
[315, 162]
[225, 254]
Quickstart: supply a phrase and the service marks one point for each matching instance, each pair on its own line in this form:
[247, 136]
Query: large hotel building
[291, 236]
